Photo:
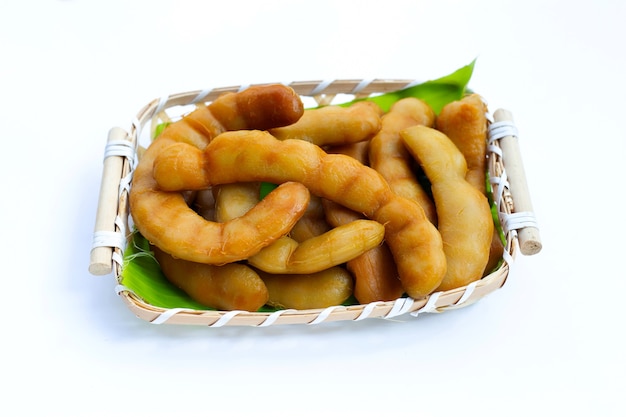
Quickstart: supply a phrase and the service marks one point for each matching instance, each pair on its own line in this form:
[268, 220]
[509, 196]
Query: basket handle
[528, 236]
[107, 235]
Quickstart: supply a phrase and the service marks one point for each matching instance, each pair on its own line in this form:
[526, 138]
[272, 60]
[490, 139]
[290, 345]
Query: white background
[550, 342]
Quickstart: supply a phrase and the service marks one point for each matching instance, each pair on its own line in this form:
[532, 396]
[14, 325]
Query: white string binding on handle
[105, 238]
[498, 130]
[119, 148]
[518, 220]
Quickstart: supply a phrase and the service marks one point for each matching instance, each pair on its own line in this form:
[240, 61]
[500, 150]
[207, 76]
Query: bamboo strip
[529, 238]
[101, 256]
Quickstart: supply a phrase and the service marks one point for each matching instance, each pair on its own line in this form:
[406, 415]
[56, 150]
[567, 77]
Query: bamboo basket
[114, 224]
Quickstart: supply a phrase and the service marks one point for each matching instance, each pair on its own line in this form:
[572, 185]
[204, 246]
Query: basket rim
[435, 303]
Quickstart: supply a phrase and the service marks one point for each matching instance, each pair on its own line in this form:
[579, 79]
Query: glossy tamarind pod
[414, 241]
[165, 218]
[326, 288]
[334, 125]
[335, 247]
[257, 107]
[463, 212]
[464, 121]
[389, 156]
[232, 286]
[375, 273]
[198, 240]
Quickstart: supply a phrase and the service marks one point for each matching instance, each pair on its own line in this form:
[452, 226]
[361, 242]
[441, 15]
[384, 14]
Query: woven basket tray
[114, 224]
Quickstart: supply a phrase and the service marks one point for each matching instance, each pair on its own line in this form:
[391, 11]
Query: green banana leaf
[437, 93]
[141, 272]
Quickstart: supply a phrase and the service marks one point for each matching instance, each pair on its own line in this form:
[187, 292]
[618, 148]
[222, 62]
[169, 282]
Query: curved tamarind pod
[258, 107]
[465, 123]
[219, 243]
[334, 125]
[389, 156]
[154, 210]
[414, 241]
[464, 215]
[375, 273]
[326, 288]
[232, 286]
[335, 247]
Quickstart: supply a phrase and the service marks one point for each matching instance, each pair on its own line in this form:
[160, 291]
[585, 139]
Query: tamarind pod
[389, 156]
[259, 156]
[322, 289]
[416, 245]
[464, 215]
[414, 241]
[375, 273]
[334, 125]
[232, 286]
[464, 121]
[335, 247]
[166, 220]
[258, 107]
[237, 239]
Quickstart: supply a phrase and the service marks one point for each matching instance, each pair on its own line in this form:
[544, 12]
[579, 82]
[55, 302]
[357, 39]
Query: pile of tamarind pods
[350, 215]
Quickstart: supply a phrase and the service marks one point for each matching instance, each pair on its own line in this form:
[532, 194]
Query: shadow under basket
[113, 229]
